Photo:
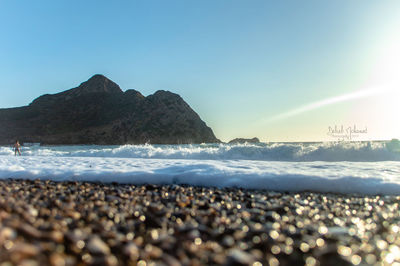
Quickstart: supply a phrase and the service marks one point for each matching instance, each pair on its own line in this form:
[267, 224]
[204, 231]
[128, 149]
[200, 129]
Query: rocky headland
[99, 112]
[243, 140]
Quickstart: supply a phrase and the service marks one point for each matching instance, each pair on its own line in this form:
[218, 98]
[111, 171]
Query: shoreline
[67, 223]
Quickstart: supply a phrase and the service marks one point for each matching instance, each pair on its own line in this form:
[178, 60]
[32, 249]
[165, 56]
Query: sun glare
[377, 104]
[386, 75]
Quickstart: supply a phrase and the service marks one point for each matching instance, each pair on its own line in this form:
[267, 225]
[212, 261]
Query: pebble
[97, 246]
[29, 231]
[131, 251]
[239, 257]
[21, 251]
[57, 260]
[6, 233]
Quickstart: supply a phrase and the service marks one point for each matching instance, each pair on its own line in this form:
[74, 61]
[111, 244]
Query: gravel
[69, 223]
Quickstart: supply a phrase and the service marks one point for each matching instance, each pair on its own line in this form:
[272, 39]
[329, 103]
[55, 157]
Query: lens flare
[329, 101]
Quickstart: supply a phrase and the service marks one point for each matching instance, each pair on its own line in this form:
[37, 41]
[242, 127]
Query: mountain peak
[98, 83]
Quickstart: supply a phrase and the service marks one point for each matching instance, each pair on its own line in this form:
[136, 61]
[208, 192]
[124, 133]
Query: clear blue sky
[237, 63]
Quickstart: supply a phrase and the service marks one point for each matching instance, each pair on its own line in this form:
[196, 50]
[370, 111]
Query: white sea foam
[340, 177]
[342, 151]
[353, 167]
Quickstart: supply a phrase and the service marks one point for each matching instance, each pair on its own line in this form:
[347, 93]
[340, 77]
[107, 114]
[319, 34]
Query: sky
[276, 70]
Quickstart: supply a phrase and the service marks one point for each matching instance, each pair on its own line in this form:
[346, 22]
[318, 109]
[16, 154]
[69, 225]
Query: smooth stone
[132, 251]
[239, 257]
[97, 246]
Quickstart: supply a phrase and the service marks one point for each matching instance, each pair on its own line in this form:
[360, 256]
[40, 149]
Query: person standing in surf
[17, 148]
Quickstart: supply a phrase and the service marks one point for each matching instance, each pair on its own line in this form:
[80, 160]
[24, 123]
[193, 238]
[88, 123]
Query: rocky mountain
[99, 112]
[242, 141]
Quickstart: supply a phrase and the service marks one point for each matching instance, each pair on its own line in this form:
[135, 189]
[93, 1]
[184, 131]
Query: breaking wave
[331, 152]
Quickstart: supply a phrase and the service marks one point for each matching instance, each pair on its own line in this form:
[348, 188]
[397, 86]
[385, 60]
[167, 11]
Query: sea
[366, 168]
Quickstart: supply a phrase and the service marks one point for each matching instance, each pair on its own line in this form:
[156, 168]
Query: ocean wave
[333, 152]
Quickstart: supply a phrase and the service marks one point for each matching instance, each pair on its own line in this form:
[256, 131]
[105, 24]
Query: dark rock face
[99, 112]
[241, 140]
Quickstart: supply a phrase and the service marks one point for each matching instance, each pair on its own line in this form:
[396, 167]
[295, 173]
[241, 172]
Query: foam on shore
[337, 177]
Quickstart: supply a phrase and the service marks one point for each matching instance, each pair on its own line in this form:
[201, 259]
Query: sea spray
[307, 152]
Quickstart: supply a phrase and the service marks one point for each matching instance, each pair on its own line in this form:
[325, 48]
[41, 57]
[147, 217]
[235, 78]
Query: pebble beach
[81, 223]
